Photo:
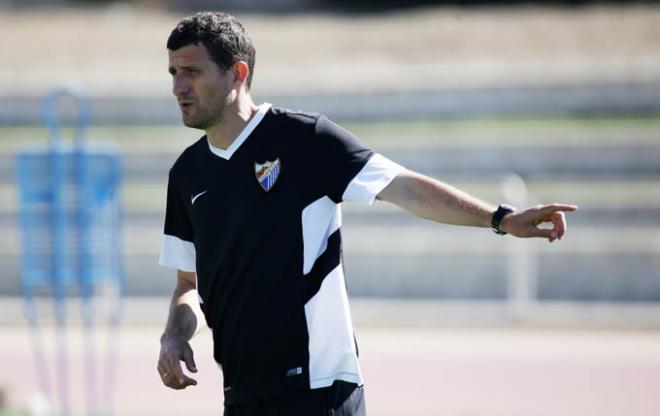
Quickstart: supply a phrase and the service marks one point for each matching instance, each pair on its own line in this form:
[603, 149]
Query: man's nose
[180, 86]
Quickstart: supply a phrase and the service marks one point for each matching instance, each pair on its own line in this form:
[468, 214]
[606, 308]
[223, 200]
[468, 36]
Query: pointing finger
[549, 209]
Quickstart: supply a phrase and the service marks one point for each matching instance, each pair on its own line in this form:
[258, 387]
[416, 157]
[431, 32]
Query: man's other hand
[174, 349]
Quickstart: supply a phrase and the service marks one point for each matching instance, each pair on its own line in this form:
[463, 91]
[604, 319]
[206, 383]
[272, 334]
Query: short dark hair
[221, 34]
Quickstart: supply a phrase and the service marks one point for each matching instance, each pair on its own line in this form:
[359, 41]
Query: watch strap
[495, 221]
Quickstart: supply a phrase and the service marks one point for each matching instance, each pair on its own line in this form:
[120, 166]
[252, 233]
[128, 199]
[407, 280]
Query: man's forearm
[434, 200]
[184, 313]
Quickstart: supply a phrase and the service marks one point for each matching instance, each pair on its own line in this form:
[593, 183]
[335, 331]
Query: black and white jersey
[260, 224]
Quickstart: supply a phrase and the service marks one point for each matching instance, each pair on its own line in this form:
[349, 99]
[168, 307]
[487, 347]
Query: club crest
[267, 173]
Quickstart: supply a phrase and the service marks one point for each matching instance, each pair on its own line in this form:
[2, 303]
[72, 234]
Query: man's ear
[241, 72]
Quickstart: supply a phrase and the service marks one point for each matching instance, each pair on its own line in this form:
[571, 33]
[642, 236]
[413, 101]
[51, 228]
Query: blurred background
[514, 102]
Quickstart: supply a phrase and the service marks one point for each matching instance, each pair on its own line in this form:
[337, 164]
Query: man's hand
[526, 223]
[172, 350]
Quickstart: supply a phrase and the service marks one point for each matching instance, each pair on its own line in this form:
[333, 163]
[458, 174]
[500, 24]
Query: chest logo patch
[267, 173]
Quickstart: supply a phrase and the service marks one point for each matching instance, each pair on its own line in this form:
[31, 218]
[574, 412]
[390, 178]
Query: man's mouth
[185, 105]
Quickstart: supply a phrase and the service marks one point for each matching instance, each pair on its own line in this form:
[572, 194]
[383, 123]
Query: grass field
[507, 131]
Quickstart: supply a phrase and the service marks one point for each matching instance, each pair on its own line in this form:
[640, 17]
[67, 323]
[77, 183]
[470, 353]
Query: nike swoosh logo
[197, 196]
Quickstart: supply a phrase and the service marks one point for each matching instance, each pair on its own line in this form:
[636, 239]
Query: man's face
[201, 88]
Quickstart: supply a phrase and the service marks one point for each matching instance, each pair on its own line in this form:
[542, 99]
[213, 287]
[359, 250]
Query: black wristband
[502, 210]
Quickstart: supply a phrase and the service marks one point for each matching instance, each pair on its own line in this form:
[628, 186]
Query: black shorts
[340, 399]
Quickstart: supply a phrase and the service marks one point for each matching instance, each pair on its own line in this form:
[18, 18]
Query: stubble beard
[204, 118]
[196, 123]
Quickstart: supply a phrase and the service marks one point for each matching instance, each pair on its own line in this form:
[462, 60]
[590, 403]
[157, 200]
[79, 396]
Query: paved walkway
[418, 371]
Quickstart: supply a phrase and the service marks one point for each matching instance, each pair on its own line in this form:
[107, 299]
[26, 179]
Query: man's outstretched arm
[434, 200]
[182, 323]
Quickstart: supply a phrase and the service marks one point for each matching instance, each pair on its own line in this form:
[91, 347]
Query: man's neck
[236, 117]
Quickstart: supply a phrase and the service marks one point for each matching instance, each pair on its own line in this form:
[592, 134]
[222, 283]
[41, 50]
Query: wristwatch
[502, 210]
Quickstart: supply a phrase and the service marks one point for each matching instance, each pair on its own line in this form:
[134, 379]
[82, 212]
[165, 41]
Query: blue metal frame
[70, 220]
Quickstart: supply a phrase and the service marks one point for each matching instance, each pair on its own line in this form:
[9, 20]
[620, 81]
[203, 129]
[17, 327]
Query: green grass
[422, 133]
[511, 129]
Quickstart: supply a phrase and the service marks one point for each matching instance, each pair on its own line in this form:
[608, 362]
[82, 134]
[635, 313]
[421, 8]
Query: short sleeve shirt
[260, 224]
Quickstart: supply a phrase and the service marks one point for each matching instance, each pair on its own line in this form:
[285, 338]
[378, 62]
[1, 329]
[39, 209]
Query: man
[253, 228]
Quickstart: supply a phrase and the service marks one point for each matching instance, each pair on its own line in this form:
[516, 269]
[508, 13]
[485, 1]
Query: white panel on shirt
[332, 351]
[177, 253]
[320, 219]
[376, 174]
